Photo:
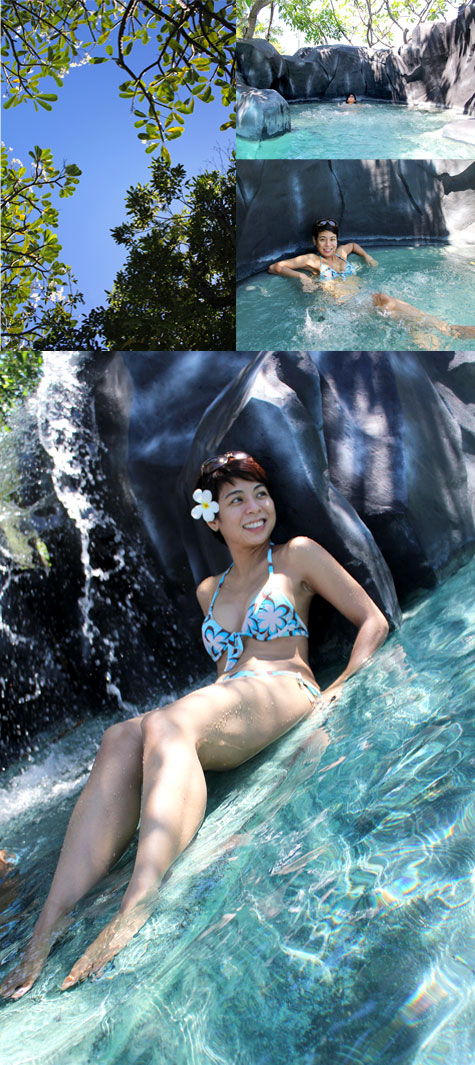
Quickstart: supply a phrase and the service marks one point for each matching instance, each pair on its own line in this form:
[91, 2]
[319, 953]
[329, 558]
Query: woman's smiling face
[326, 243]
[246, 512]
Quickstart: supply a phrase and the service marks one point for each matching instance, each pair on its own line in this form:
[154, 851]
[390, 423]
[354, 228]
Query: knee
[159, 728]
[380, 299]
[121, 740]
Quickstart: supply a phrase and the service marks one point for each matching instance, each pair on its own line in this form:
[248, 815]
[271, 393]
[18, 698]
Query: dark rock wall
[372, 454]
[437, 66]
[324, 72]
[374, 201]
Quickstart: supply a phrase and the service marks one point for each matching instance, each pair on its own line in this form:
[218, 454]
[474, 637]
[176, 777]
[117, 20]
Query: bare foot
[462, 330]
[113, 938]
[24, 975]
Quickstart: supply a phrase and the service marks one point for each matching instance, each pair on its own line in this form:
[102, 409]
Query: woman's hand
[308, 285]
[331, 695]
[370, 261]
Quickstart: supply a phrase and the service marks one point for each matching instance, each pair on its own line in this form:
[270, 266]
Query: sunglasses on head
[215, 463]
[326, 222]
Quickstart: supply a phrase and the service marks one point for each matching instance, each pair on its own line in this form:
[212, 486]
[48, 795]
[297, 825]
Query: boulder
[261, 114]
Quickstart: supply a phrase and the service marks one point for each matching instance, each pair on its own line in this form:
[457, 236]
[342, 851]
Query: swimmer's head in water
[224, 469]
[351, 98]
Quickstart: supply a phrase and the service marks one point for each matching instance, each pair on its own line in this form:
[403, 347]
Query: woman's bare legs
[102, 825]
[217, 727]
[173, 807]
[400, 309]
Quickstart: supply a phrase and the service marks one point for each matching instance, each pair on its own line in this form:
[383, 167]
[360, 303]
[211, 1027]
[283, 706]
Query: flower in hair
[207, 508]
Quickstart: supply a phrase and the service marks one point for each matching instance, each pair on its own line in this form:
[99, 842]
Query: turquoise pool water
[372, 131]
[274, 312]
[325, 914]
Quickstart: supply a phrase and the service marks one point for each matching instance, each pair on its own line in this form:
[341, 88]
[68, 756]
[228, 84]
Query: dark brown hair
[245, 466]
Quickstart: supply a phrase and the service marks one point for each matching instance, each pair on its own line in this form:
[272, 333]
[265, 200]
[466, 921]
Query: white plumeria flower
[207, 508]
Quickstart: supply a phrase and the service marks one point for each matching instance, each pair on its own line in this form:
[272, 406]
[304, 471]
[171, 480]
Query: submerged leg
[400, 309]
[102, 825]
[173, 807]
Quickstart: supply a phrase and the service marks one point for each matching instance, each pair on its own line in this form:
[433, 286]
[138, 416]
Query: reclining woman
[329, 262]
[153, 766]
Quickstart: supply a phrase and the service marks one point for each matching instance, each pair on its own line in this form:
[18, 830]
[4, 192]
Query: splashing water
[440, 281]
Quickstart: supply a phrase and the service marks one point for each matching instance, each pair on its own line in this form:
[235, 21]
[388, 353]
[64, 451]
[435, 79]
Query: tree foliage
[190, 51]
[321, 21]
[33, 275]
[177, 287]
[19, 372]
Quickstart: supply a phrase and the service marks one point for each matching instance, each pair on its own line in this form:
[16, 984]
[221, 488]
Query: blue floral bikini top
[327, 272]
[269, 616]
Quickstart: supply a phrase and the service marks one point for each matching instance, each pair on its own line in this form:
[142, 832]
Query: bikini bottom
[312, 691]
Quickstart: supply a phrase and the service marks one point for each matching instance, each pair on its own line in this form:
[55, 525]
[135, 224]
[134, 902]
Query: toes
[78, 973]
[16, 986]
[20, 991]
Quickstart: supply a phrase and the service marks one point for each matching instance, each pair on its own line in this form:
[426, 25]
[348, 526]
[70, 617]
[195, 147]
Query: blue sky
[91, 126]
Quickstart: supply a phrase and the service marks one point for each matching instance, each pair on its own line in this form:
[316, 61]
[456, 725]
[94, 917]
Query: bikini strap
[269, 559]
[218, 586]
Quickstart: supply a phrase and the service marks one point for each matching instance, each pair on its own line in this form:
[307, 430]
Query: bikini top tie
[270, 616]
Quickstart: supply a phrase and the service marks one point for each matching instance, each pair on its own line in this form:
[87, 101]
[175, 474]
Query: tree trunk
[257, 6]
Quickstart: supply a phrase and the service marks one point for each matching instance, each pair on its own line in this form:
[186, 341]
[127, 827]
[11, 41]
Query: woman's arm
[356, 249]
[293, 268]
[322, 574]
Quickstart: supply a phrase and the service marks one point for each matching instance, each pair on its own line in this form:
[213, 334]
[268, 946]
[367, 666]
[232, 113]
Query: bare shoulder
[302, 554]
[205, 592]
[319, 572]
[345, 249]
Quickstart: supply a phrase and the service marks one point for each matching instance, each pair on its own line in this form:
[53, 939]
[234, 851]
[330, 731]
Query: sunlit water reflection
[325, 914]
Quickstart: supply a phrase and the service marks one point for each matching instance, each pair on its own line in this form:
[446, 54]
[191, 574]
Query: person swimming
[152, 767]
[325, 264]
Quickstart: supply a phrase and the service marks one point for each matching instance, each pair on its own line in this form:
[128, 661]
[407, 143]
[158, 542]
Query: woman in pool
[255, 629]
[329, 262]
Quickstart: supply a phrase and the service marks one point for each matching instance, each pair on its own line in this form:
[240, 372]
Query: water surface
[371, 130]
[274, 312]
[324, 915]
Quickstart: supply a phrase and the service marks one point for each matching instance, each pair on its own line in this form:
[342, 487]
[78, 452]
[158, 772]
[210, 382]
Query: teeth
[254, 524]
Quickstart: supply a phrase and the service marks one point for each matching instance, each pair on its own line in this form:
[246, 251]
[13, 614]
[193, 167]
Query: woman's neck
[245, 559]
